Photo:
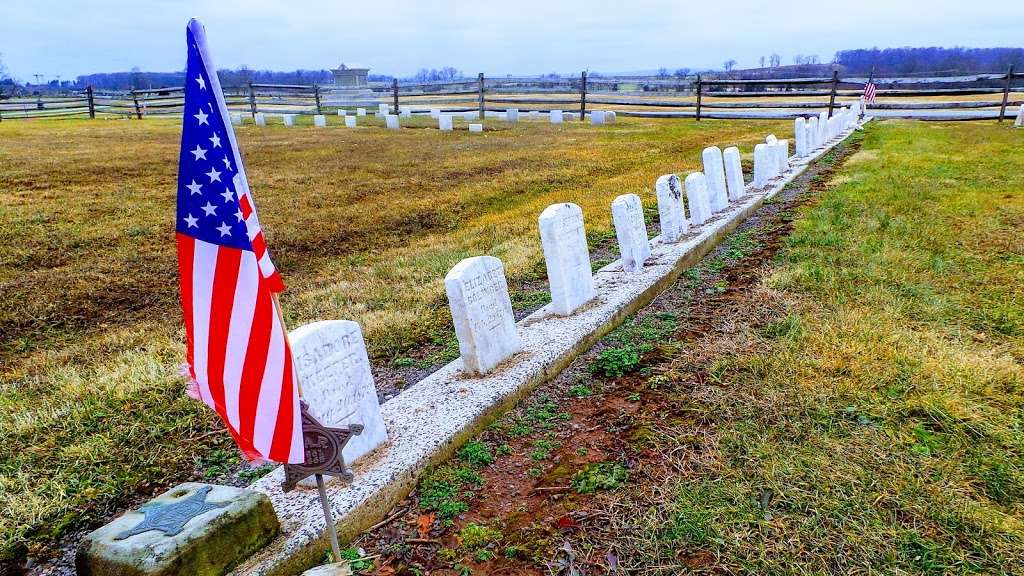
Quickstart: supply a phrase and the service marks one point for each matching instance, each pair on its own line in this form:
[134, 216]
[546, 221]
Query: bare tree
[662, 72]
[3, 69]
[729, 65]
[812, 59]
[774, 60]
[762, 61]
[682, 72]
[799, 59]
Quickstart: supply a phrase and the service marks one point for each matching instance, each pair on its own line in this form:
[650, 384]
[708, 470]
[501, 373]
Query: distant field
[363, 224]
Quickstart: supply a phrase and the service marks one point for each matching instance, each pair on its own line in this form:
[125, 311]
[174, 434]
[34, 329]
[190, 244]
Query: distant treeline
[926, 60]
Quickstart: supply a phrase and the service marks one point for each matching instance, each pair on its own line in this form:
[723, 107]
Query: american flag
[869, 92]
[238, 356]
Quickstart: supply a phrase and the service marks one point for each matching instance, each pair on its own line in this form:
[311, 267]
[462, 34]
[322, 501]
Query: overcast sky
[72, 37]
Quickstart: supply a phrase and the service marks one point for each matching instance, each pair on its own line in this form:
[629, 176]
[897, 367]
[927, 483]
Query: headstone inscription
[631, 232]
[320, 121]
[350, 121]
[714, 174]
[734, 173]
[764, 165]
[482, 313]
[566, 256]
[671, 213]
[555, 116]
[697, 198]
[334, 369]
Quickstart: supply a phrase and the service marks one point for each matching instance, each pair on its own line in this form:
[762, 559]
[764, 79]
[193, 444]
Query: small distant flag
[239, 360]
[869, 92]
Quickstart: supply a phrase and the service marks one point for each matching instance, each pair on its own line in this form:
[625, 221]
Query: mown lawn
[363, 224]
[851, 404]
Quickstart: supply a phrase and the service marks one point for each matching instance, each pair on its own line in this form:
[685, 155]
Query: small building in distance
[350, 76]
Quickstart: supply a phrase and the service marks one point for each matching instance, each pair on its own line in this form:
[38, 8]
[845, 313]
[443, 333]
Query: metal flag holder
[322, 448]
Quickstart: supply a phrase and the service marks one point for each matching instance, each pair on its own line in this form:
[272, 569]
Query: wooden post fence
[91, 100]
[135, 99]
[316, 94]
[1006, 93]
[583, 94]
[698, 96]
[252, 102]
[480, 90]
[832, 94]
[394, 92]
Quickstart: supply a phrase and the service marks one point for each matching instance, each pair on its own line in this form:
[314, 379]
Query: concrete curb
[427, 422]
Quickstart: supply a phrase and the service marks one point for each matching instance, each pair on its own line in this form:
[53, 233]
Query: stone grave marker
[360, 111]
[764, 165]
[1020, 117]
[444, 122]
[714, 175]
[631, 232]
[236, 118]
[470, 115]
[435, 112]
[512, 115]
[671, 213]
[782, 149]
[391, 121]
[734, 173]
[476, 127]
[597, 117]
[800, 136]
[342, 112]
[809, 136]
[482, 313]
[569, 116]
[822, 128]
[609, 116]
[320, 121]
[334, 371]
[405, 113]
[555, 116]
[567, 257]
[697, 199]
[350, 121]
[534, 115]
[261, 119]
[289, 119]
[382, 109]
[771, 139]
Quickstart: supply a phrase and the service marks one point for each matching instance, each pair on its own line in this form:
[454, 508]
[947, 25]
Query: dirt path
[546, 473]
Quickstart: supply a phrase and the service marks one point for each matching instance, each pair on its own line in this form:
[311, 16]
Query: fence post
[480, 89]
[252, 102]
[699, 93]
[394, 91]
[1006, 93]
[92, 101]
[316, 94]
[832, 95]
[583, 94]
[135, 99]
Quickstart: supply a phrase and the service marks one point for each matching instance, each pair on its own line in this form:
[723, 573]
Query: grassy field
[363, 224]
[837, 390]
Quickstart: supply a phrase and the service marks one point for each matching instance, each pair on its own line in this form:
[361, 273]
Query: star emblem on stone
[215, 140]
[201, 82]
[199, 153]
[202, 116]
[228, 195]
[171, 518]
[210, 209]
[194, 188]
[224, 229]
[214, 175]
[191, 221]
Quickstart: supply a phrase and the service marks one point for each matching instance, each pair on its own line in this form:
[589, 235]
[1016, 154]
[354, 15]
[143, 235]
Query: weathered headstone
[569, 116]
[330, 357]
[822, 128]
[476, 127]
[800, 136]
[512, 115]
[609, 116]
[671, 213]
[190, 529]
[631, 232]
[566, 256]
[782, 149]
[435, 112]
[360, 111]
[342, 112]
[382, 109]
[444, 122]
[391, 121]
[236, 118]
[470, 115]
[534, 114]
[320, 121]
[261, 119]
[714, 175]
[764, 164]
[771, 139]
[289, 119]
[597, 117]
[555, 116]
[734, 173]
[810, 134]
[697, 199]
[482, 313]
[405, 113]
[350, 121]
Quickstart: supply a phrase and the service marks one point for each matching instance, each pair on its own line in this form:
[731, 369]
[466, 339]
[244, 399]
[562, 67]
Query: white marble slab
[320, 121]
[734, 173]
[476, 127]
[671, 213]
[566, 257]
[391, 122]
[482, 313]
[714, 175]
[555, 116]
[631, 232]
[698, 198]
[350, 121]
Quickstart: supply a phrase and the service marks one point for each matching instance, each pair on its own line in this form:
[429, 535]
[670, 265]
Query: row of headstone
[771, 160]
[598, 117]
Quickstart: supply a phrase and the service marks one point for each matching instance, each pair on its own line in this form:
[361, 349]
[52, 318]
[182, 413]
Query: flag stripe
[202, 276]
[242, 311]
[274, 380]
[225, 280]
[254, 367]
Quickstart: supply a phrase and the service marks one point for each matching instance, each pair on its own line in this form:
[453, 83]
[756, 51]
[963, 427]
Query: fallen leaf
[424, 523]
[566, 523]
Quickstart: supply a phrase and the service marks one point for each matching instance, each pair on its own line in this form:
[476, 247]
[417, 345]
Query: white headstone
[476, 127]
[734, 173]
[382, 109]
[360, 111]
[609, 116]
[391, 120]
[812, 132]
[470, 115]
[1020, 117]
[566, 256]
[697, 199]
[342, 112]
[512, 115]
[782, 149]
[289, 119]
[569, 116]
[330, 357]
[405, 113]
[597, 117]
[765, 164]
[534, 114]
[320, 121]
[714, 174]
[444, 122]
[822, 128]
[771, 139]
[631, 232]
[350, 121]
[671, 213]
[800, 136]
[435, 112]
[236, 118]
[482, 313]
[555, 116]
[261, 119]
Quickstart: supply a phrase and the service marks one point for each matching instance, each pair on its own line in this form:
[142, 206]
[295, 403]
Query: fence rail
[631, 95]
